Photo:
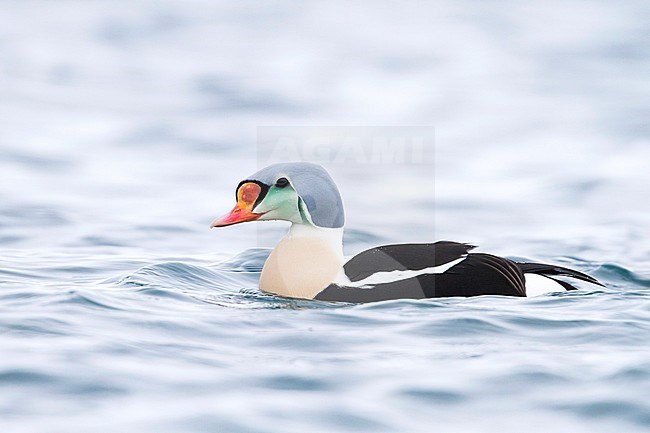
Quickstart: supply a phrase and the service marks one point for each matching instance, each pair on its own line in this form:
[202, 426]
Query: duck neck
[304, 262]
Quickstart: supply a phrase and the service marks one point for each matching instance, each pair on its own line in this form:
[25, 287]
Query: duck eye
[282, 182]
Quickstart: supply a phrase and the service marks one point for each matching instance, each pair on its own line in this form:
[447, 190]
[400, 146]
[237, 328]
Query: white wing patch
[394, 276]
[540, 285]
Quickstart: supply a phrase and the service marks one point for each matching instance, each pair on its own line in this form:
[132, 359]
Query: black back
[477, 274]
[402, 257]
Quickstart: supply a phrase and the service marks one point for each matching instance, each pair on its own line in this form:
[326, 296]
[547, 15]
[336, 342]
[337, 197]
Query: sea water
[126, 126]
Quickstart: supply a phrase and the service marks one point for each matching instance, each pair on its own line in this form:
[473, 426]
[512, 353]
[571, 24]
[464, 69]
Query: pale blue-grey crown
[314, 186]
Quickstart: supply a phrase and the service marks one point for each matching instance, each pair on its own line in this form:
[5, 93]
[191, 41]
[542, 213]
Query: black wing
[548, 270]
[477, 274]
[402, 257]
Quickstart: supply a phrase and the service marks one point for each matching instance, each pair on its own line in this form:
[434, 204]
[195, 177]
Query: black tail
[548, 270]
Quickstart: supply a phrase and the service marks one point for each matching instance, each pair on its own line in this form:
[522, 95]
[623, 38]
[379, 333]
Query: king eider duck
[308, 262]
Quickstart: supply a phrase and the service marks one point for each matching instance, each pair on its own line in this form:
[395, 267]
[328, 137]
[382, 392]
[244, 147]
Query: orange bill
[247, 194]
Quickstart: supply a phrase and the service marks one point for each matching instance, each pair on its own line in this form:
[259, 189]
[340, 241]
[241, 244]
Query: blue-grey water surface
[125, 127]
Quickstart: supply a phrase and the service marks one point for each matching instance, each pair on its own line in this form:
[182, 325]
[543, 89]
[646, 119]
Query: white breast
[303, 263]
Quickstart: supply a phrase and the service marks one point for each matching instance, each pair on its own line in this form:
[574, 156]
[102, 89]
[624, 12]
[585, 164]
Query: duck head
[298, 192]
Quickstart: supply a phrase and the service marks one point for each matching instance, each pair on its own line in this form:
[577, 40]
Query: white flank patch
[394, 276]
[540, 285]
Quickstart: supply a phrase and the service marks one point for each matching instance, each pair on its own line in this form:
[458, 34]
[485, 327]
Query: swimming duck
[308, 262]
